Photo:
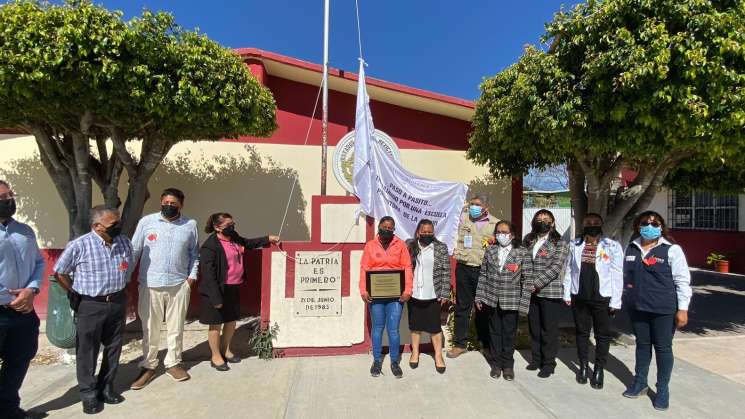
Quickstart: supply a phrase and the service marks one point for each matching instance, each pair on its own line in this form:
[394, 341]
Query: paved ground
[340, 387]
[708, 381]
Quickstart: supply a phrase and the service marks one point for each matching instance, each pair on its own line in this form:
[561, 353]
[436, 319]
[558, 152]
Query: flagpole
[325, 107]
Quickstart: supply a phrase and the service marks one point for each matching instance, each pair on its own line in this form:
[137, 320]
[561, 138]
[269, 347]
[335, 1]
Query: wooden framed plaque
[385, 284]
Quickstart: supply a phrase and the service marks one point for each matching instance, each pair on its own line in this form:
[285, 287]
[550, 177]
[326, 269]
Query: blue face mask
[474, 211]
[650, 232]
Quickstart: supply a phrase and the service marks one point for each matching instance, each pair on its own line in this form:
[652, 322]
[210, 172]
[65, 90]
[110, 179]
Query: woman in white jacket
[593, 285]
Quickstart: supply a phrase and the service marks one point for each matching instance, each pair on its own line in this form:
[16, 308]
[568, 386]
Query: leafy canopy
[652, 81]
[81, 67]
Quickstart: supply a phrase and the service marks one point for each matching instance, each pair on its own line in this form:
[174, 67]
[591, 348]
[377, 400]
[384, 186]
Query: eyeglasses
[650, 223]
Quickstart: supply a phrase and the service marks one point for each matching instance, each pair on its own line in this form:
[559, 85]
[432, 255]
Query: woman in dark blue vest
[657, 292]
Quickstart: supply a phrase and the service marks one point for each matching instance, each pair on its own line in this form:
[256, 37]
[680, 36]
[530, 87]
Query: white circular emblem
[343, 163]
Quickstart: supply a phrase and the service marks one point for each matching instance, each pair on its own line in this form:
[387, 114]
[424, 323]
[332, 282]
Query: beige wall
[251, 181]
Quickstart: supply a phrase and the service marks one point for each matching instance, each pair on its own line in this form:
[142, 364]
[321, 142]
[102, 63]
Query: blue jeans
[386, 314]
[652, 329]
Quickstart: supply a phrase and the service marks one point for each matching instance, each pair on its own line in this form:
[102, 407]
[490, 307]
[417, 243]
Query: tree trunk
[577, 191]
[590, 187]
[154, 151]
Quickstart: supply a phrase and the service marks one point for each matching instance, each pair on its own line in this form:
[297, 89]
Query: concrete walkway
[340, 387]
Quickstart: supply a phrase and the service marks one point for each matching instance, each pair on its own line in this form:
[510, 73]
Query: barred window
[703, 210]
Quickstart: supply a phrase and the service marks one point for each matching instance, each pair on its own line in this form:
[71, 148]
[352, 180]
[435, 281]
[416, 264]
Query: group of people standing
[499, 277]
[95, 269]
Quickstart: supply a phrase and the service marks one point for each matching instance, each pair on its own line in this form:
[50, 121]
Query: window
[703, 210]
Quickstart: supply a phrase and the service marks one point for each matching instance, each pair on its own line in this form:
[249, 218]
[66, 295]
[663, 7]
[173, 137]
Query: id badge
[468, 241]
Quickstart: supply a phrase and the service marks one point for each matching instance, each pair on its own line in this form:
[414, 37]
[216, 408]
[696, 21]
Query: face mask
[650, 232]
[114, 230]
[169, 211]
[229, 231]
[474, 211]
[504, 240]
[541, 227]
[7, 208]
[385, 234]
[592, 231]
[426, 240]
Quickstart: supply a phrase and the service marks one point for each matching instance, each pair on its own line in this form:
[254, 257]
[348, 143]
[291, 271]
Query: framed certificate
[385, 284]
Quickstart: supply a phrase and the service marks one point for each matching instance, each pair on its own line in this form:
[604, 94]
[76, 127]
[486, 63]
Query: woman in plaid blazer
[504, 291]
[549, 253]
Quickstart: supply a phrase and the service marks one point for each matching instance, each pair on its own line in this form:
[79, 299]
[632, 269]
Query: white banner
[384, 187]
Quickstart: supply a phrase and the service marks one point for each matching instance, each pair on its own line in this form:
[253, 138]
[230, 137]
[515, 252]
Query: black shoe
[545, 372]
[376, 368]
[495, 371]
[91, 407]
[396, 370]
[233, 359]
[597, 378]
[508, 374]
[222, 367]
[414, 365]
[110, 397]
[533, 366]
[440, 370]
[584, 372]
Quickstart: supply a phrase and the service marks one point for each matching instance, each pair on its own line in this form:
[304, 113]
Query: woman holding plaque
[430, 291]
[388, 254]
[222, 273]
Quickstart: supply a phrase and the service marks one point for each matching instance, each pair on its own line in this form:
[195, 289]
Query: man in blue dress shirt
[21, 271]
[166, 244]
[99, 263]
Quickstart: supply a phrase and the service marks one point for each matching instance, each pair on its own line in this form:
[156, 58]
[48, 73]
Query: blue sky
[443, 46]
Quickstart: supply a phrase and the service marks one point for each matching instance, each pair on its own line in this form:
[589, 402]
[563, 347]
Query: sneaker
[396, 370]
[635, 390]
[662, 400]
[145, 377]
[376, 368]
[456, 352]
[178, 373]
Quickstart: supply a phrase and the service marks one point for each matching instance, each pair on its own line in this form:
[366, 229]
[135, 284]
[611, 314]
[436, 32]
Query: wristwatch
[35, 290]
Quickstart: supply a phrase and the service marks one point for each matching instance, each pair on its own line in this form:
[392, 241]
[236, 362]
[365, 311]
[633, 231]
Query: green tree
[87, 84]
[653, 86]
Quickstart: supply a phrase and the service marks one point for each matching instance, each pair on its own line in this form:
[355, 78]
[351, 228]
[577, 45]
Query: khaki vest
[475, 255]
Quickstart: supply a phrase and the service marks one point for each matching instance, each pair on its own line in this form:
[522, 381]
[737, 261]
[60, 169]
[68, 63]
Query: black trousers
[543, 322]
[502, 332]
[466, 281]
[99, 323]
[593, 314]
[19, 340]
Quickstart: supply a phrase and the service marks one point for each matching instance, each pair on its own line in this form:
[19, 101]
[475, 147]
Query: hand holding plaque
[385, 284]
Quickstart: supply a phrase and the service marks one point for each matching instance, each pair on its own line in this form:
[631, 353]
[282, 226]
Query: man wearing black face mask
[99, 262]
[167, 247]
[21, 270]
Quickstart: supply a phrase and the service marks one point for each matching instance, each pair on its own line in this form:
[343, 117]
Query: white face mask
[504, 239]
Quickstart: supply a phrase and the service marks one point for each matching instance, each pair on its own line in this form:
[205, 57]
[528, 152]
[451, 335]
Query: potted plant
[720, 262]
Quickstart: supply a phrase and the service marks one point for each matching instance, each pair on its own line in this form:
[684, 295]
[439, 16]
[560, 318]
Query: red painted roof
[261, 54]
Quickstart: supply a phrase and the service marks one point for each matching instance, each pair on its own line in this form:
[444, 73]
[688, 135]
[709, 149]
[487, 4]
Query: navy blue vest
[648, 283]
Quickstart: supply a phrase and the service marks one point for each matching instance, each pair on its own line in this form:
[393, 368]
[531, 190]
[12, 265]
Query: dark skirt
[230, 311]
[424, 316]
